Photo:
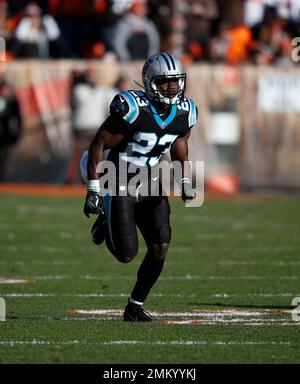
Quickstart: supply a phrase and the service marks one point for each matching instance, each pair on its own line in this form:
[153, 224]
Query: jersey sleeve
[192, 116]
[118, 107]
[123, 113]
[124, 107]
[193, 113]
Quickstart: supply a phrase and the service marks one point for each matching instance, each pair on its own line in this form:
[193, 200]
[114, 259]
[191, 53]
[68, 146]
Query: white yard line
[213, 277]
[239, 322]
[225, 263]
[85, 295]
[54, 277]
[253, 249]
[270, 294]
[216, 295]
[44, 209]
[41, 262]
[278, 263]
[29, 248]
[34, 342]
[167, 278]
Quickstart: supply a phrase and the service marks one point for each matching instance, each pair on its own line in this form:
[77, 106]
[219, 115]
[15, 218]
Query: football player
[141, 127]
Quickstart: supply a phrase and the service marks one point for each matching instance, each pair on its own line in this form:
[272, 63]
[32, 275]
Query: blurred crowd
[232, 31]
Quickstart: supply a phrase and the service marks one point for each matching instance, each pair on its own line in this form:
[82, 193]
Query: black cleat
[134, 312]
[99, 229]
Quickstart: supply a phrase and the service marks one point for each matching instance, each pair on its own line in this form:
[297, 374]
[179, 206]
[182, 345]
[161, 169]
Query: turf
[225, 255]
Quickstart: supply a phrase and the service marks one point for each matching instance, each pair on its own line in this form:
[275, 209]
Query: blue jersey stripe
[164, 123]
[133, 112]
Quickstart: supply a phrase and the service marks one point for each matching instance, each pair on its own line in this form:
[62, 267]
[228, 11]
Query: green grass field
[226, 289]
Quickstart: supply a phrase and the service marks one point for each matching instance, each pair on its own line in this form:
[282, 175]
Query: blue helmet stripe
[172, 61]
[166, 60]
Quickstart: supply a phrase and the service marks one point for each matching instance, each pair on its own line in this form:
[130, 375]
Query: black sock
[147, 275]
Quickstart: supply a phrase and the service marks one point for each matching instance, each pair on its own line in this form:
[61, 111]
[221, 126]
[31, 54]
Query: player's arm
[103, 139]
[180, 152]
[110, 134]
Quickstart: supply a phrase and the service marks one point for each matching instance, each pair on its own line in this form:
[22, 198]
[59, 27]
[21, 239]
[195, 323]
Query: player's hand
[93, 204]
[187, 192]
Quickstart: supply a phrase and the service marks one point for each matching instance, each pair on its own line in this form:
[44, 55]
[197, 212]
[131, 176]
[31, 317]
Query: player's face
[168, 87]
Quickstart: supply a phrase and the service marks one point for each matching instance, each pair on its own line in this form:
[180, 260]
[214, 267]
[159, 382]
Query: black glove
[187, 191]
[93, 204]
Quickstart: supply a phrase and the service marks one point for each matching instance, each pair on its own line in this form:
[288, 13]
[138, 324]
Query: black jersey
[148, 134]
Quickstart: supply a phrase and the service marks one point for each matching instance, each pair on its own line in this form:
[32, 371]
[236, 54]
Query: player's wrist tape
[93, 186]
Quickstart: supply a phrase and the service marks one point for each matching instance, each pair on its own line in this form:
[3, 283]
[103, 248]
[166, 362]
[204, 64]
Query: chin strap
[169, 99]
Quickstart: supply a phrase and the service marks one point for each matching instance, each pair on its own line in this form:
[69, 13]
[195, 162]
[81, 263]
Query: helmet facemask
[168, 89]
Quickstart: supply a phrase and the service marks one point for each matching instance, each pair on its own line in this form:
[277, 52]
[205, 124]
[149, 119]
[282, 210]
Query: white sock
[135, 302]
